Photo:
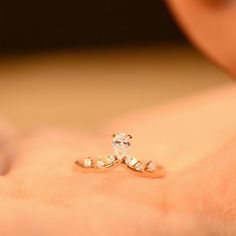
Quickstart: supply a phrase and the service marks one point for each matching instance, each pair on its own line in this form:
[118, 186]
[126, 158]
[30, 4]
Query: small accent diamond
[150, 166]
[100, 163]
[111, 159]
[87, 162]
[138, 166]
[129, 160]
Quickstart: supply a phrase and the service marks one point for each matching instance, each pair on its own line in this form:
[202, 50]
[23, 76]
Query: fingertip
[7, 138]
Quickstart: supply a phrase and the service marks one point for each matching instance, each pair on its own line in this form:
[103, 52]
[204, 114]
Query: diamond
[111, 159]
[121, 143]
[100, 163]
[150, 166]
[87, 162]
[129, 160]
[138, 166]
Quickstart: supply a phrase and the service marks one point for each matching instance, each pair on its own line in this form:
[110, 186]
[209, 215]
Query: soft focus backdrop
[81, 63]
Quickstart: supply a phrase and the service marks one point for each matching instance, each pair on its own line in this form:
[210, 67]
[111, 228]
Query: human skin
[195, 138]
[210, 24]
[43, 194]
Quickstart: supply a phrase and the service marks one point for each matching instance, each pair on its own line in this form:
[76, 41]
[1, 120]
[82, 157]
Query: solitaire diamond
[121, 143]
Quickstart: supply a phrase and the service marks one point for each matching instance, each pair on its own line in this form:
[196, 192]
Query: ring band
[121, 157]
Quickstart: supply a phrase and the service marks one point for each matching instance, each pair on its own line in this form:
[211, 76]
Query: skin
[41, 193]
[210, 25]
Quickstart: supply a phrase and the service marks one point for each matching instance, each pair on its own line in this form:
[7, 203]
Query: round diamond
[138, 166]
[150, 166]
[111, 159]
[100, 163]
[87, 162]
[121, 143]
[129, 160]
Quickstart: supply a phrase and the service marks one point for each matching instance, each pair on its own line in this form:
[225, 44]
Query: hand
[42, 194]
[210, 24]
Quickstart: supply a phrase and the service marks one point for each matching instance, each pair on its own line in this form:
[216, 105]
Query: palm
[44, 195]
[46, 192]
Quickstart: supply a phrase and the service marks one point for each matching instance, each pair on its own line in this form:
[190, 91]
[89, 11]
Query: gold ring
[121, 157]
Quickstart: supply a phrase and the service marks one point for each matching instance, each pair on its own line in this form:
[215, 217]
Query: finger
[179, 134]
[7, 137]
[210, 25]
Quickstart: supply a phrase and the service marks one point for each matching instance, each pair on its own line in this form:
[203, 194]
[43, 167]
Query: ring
[121, 157]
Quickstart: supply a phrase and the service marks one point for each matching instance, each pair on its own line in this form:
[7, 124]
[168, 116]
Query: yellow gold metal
[159, 172]
[134, 166]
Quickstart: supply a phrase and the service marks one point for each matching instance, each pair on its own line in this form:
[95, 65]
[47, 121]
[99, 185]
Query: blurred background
[82, 63]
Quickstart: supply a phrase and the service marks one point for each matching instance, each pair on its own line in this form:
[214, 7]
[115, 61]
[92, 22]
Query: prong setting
[121, 157]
